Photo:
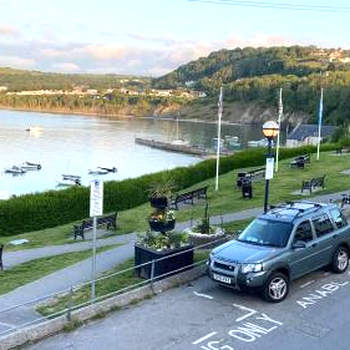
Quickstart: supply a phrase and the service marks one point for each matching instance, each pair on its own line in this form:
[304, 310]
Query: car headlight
[252, 268]
[210, 258]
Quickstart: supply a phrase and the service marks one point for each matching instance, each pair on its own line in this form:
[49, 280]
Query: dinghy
[98, 171]
[31, 166]
[15, 170]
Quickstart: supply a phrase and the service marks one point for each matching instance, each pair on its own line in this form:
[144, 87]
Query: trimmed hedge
[52, 208]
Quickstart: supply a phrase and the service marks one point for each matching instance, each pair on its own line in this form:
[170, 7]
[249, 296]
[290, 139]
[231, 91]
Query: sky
[152, 37]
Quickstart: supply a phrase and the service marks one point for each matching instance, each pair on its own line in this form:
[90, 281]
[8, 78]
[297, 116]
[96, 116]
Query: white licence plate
[222, 279]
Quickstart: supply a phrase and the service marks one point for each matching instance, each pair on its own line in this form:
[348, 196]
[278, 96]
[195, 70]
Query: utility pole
[280, 113]
[220, 110]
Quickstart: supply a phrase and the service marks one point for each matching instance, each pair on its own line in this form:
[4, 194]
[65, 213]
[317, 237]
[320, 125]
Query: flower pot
[159, 202]
[183, 258]
[162, 226]
[198, 239]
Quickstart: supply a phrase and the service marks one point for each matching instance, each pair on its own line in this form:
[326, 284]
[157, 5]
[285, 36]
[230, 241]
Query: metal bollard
[70, 304]
[152, 273]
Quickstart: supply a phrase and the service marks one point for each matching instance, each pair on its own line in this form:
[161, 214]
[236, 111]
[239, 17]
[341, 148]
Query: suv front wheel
[340, 260]
[276, 288]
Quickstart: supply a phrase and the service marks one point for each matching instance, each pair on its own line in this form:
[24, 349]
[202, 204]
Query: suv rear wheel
[340, 261]
[276, 288]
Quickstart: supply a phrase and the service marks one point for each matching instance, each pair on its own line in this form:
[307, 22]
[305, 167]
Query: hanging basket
[159, 202]
[161, 226]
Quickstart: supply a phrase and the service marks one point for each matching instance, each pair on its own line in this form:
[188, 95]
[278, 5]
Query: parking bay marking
[321, 293]
[203, 295]
[200, 340]
[246, 332]
[244, 308]
[307, 284]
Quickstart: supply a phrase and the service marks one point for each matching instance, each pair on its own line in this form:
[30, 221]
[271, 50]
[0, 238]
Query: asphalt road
[205, 316]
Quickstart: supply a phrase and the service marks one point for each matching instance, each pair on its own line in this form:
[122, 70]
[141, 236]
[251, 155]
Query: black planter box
[159, 202]
[143, 255]
[160, 226]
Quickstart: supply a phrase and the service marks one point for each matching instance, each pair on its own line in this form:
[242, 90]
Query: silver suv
[284, 244]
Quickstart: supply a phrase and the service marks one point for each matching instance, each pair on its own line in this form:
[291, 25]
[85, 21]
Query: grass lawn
[105, 286]
[227, 199]
[22, 274]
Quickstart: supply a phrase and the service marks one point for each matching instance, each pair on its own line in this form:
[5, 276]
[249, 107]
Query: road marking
[204, 338]
[7, 325]
[244, 308]
[307, 284]
[203, 295]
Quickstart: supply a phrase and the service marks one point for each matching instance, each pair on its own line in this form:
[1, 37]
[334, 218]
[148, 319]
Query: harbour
[84, 145]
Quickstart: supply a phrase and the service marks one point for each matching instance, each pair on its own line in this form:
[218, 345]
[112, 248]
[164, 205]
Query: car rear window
[322, 225]
[338, 218]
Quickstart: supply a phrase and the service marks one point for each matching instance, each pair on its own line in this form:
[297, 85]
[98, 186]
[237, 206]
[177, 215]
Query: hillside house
[307, 134]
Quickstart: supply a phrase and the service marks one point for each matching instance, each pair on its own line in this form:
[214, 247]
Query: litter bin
[247, 189]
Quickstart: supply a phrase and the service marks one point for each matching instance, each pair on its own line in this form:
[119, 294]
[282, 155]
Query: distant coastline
[54, 111]
[122, 116]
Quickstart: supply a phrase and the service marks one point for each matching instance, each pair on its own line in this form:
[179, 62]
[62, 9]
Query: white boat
[15, 170]
[229, 138]
[71, 177]
[98, 171]
[180, 142]
[110, 170]
[31, 166]
[258, 143]
[35, 129]
[68, 182]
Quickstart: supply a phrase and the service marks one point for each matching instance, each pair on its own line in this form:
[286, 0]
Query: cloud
[17, 62]
[66, 67]
[6, 30]
[145, 56]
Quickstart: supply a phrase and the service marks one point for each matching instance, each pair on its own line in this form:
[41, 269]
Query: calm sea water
[74, 144]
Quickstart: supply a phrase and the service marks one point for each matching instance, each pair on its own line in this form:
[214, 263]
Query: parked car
[284, 244]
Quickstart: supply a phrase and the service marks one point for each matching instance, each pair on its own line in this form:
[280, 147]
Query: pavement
[204, 316]
[81, 272]
[21, 256]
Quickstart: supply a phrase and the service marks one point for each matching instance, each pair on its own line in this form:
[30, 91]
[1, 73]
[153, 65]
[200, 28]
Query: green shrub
[49, 209]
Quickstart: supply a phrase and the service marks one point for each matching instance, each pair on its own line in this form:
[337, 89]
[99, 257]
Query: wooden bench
[313, 183]
[252, 175]
[1, 251]
[110, 221]
[342, 150]
[300, 161]
[345, 200]
[188, 197]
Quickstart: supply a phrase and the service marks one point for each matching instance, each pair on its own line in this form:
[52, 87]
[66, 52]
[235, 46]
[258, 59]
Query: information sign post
[96, 209]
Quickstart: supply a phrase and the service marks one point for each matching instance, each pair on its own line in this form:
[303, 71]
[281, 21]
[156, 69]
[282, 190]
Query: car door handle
[314, 245]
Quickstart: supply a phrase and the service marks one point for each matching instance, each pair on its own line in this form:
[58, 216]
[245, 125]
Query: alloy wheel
[277, 288]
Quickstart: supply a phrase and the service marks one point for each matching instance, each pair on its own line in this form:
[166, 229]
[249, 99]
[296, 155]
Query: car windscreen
[267, 233]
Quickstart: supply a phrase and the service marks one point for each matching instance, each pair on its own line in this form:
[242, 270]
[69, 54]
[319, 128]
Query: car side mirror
[299, 245]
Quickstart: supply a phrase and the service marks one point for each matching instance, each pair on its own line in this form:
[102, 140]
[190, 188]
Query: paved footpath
[80, 272]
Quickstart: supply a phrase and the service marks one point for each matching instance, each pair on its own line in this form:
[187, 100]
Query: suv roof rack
[291, 205]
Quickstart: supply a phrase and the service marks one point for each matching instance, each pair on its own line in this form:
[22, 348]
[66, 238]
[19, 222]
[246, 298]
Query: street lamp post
[270, 130]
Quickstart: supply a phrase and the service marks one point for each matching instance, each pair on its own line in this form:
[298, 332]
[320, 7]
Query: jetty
[172, 147]
[180, 147]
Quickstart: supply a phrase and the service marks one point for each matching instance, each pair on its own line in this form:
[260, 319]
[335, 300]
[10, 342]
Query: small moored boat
[110, 170]
[71, 177]
[98, 171]
[31, 166]
[66, 181]
[15, 170]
